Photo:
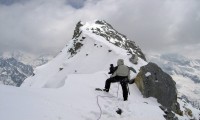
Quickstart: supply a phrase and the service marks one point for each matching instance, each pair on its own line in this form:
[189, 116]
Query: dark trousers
[123, 84]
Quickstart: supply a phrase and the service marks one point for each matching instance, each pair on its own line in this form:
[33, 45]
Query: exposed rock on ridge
[153, 82]
[104, 29]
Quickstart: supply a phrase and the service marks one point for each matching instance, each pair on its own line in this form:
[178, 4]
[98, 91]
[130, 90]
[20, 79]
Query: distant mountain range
[16, 66]
[28, 58]
[13, 72]
[176, 64]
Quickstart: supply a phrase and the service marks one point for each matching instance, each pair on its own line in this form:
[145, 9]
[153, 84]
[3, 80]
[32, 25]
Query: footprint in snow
[95, 113]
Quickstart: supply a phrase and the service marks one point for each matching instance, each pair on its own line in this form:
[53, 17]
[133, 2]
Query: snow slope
[76, 100]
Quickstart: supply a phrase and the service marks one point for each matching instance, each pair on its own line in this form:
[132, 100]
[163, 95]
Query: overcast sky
[45, 26]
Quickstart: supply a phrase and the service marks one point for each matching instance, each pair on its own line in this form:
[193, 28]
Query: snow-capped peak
[103, 29]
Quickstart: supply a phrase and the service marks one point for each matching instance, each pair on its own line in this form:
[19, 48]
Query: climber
[121, 74]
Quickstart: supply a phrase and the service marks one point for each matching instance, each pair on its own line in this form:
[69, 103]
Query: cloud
[11, 2]
[37, 26]
[76, 3]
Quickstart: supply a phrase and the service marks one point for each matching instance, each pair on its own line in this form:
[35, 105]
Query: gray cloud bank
[157, 26]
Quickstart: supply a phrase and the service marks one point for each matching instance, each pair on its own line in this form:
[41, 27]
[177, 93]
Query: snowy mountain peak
[104, 30]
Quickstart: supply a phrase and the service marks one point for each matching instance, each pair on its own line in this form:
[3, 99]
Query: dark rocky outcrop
[153, 82]
[76, 46]
[77, 30]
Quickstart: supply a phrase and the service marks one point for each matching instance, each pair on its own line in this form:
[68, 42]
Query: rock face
[13, 72]
[153, 82]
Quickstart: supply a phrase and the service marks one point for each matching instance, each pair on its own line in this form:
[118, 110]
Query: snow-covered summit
[104, 29]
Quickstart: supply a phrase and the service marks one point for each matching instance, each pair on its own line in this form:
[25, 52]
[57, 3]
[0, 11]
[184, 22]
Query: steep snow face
[13, 72]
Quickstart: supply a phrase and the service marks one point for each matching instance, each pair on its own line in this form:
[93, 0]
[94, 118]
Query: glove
[131, 81]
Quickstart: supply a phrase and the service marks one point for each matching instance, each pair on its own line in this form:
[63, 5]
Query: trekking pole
[128, 88]
[118, 90]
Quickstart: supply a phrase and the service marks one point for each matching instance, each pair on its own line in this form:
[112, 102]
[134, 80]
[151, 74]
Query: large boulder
[153, 82]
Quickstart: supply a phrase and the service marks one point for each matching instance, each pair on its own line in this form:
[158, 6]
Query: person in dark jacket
[121, 74]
